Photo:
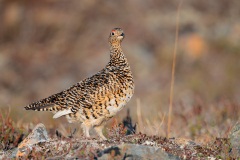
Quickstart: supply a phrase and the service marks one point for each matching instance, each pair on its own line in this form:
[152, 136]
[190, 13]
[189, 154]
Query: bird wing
[82, 94]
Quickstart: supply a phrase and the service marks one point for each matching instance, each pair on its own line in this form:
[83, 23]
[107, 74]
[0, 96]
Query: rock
[39, 134]
[10, 154]
[234, 137]
[132, 151]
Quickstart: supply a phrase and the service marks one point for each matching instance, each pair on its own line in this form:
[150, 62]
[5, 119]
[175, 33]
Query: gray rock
[234, 137]
[39, 134]
[135, 152]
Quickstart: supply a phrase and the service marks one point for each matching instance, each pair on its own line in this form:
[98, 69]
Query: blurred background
[48, 45]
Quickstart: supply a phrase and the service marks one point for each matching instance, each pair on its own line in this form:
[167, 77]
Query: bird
[96, 99]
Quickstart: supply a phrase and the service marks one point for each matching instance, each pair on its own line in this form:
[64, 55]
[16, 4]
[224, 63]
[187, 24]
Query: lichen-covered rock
[132, 151]
[234, 137]
[39, 134]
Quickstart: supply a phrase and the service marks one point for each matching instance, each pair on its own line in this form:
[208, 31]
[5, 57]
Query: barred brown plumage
[96, 99]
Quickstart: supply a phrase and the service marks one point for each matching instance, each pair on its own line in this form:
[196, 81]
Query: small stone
[149, 143]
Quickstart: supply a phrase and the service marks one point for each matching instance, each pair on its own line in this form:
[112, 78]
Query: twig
[139, 116]
[173, 70]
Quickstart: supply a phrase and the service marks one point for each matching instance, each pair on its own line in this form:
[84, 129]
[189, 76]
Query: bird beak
[121, 36]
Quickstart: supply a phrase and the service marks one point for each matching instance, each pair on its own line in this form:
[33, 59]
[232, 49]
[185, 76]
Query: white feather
[62, 113]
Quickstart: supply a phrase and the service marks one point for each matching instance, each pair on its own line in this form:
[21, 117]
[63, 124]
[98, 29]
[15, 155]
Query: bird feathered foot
[99, 129]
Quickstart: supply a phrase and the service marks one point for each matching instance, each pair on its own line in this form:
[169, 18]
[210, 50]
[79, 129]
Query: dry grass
[173, 70]
[10, 134]
[60, 146]
[200, 122]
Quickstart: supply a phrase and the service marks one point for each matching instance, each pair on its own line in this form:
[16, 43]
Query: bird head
[116, 36]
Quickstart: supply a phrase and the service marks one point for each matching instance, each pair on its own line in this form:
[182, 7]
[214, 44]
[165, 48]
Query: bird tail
[46, 104]
[36, 107]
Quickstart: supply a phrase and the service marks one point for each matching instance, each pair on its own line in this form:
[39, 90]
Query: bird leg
[99, 129]
[86, 129]
[72, 132]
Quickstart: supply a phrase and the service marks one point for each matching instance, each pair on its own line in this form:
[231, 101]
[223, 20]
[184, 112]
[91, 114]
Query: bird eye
[122, 34]
[112, 33]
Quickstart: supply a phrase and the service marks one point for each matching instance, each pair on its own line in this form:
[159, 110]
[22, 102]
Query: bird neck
[116, 54]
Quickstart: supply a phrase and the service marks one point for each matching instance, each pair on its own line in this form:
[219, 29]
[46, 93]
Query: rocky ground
[38, 144]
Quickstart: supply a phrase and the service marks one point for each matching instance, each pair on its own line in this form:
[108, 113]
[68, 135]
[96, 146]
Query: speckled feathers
[96, 99]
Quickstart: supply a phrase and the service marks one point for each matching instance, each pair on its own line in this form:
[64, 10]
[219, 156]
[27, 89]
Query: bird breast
[117, 103]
